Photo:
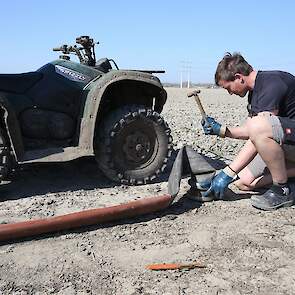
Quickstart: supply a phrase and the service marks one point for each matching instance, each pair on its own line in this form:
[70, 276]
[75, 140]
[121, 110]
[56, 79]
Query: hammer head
[193, 93]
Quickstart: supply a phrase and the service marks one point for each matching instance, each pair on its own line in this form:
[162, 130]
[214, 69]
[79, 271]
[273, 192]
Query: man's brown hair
[230, 65]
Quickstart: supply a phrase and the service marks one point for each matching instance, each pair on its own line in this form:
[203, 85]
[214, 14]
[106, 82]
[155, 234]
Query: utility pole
[189, 68]
[188, 77]
[180, 78]
[185, 68]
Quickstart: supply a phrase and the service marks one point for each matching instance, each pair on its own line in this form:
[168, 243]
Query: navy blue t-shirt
[273, 90]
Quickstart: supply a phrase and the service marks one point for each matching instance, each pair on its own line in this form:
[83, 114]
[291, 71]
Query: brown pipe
[83, 218]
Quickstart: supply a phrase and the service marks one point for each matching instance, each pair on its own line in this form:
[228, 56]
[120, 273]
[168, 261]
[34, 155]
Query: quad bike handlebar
[86, 53]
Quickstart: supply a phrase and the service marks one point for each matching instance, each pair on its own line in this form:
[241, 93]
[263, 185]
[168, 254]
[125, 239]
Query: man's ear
[240, 77]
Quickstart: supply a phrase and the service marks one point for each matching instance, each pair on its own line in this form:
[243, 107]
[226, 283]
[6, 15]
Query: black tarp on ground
[188, 158]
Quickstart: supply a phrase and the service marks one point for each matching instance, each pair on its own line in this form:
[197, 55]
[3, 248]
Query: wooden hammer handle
[198, 101]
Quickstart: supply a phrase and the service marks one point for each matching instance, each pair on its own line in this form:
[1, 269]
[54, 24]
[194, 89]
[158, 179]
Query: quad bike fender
[10, 125]
[100, 97]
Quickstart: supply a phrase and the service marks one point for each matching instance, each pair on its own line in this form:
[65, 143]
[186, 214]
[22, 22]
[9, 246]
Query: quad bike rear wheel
[5, 159]
[133, 145]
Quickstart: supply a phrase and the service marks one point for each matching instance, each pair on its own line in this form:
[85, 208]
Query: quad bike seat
[18, 83]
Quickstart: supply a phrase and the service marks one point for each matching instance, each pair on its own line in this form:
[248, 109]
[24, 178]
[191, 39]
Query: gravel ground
[246, 251]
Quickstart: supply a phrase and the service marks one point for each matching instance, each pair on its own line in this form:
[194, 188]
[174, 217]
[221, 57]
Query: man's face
[238, 86]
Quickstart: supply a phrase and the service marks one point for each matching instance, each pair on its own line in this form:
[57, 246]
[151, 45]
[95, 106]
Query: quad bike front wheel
[133, 145]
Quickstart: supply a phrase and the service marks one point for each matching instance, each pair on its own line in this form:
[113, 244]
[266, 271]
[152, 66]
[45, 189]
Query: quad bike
[66, 110]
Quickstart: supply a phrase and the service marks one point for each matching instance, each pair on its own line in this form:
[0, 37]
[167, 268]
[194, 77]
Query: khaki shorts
[257, 165]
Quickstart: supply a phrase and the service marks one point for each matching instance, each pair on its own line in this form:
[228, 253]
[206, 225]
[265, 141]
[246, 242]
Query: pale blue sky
[151, 34]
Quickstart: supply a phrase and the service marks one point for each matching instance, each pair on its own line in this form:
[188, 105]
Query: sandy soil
[246, 251]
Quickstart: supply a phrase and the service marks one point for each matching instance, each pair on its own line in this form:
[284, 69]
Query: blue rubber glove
[220, 183]
[212, 127]
[200, 185]
[204, 185]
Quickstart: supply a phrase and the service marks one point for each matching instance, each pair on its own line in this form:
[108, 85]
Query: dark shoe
[272, 199]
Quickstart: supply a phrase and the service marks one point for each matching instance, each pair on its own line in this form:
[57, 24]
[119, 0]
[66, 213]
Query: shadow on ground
[81, 174]
[39, 179]
[84, 174]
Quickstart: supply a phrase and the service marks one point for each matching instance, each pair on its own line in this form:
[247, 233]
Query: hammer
[209, 196]
[198, 101]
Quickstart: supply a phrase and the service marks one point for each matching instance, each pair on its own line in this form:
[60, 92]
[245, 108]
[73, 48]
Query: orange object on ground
[171, 266]
[88, 217]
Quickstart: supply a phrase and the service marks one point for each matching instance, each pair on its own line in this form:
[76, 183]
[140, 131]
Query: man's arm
[240, 132]
[244, 157]
[212, 127]
[229, 173]
[248, 152]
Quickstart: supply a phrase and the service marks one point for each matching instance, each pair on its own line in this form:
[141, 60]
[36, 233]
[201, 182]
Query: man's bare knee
[258, 127]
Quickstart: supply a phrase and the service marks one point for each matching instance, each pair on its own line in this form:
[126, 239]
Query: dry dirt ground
[246, 251]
